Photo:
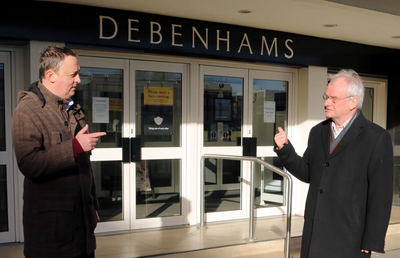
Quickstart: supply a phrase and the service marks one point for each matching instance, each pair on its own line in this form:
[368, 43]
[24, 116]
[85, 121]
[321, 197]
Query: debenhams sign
[195, 37]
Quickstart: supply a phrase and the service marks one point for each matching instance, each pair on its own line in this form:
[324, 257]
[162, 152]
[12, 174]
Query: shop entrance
[242, 103]
[138, 164]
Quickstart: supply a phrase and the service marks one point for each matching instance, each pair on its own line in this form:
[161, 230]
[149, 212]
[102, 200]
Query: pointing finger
[97, 134]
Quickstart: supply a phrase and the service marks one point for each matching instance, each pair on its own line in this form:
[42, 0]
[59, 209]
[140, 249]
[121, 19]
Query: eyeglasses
[334, 99]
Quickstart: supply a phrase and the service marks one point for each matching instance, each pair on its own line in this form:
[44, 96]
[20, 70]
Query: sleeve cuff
[77, 148]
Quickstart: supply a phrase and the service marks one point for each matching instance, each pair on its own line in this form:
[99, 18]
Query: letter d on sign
[101, 27]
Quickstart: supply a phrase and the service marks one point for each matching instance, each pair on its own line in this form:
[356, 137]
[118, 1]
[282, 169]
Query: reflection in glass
[230, 171]
[158, 189]
[269, 109]
[223, 108]
[108, 177]
[224, 178]
[270, 186]
[3, 199]
[158, 108]
[210, 171]
[100, 94]
[2, 111]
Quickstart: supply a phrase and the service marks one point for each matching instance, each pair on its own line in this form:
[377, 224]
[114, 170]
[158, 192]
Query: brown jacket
[60, 202]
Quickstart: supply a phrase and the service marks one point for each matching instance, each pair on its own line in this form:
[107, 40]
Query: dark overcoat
[60, 202]
[350, 191]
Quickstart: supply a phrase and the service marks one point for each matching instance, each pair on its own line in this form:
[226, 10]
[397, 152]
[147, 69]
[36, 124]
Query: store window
[160, 189]
[270, 109]
[223, 108]
[159, 108]
[100, 94]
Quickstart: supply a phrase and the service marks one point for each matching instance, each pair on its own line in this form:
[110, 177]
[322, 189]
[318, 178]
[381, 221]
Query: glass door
[223, 100]
[159, 113]
[7, 215]
[104, 95]
[269, 110]
[139, 105]
[241, 103]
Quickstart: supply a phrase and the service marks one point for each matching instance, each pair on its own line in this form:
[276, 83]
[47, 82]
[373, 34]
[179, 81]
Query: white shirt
[337, 132]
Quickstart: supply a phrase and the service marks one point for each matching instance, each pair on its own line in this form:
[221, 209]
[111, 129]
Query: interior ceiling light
[245, 11]
[329, 25]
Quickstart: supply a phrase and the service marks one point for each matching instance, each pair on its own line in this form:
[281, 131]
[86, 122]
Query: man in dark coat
[52, 148]
[349, 166]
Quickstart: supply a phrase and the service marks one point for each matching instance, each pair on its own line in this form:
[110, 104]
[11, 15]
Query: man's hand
[365, 251]
[88, 140]
[281, 138]
[97, 216]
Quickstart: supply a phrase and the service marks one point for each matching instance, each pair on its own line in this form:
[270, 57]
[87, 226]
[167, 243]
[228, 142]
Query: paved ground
[389, 254]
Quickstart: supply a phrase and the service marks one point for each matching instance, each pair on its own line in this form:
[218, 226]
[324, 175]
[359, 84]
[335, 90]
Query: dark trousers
[83, 256]
[86, 256]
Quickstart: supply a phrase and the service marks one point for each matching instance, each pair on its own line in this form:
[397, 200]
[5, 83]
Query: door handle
[131, 150]
[136, 150]
[249, 146]
[126, 150]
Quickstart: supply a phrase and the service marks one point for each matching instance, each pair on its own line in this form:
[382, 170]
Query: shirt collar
[337, 132]
[71, 102]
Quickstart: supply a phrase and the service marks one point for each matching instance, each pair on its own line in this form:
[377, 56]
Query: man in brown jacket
[52, 148]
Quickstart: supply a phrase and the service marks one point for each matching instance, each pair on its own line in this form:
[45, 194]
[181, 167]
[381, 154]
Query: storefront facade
[168, 90]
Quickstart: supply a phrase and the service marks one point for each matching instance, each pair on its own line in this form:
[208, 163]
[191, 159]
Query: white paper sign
[269, 111]
[101, 110]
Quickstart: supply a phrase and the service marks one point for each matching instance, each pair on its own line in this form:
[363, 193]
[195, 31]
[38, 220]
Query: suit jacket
[59, 212]
[350, 193]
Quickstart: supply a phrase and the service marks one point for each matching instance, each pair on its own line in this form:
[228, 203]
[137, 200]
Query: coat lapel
[326, 136]
[351, 134]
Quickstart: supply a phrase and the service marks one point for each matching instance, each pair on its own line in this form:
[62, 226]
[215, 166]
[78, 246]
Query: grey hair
[355, 86]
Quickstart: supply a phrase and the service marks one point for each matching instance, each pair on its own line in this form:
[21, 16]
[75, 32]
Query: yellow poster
[158, 96]
[115, 104]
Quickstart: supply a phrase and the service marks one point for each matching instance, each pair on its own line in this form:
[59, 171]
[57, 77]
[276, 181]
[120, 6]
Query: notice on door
[269, 111]
[160, 96]
[157, 110]
[101, 107]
